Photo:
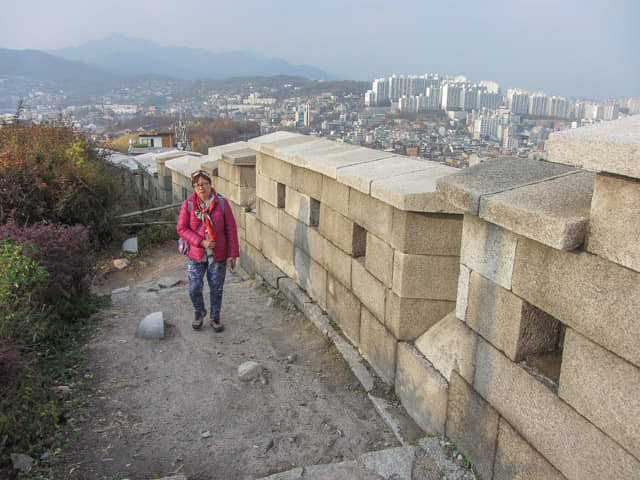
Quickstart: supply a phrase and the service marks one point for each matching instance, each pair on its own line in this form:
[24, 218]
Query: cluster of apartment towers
[432, 92]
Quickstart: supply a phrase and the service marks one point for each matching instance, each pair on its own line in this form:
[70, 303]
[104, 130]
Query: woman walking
[206, 223]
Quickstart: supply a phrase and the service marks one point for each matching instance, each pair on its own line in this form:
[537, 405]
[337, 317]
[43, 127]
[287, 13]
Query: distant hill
[130, 56]
[41, 66]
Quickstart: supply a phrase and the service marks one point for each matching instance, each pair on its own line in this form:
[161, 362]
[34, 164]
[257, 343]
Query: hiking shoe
[216, 325]
[197, 319]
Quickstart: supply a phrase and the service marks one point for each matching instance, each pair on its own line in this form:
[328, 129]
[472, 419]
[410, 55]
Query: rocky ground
[177, 406]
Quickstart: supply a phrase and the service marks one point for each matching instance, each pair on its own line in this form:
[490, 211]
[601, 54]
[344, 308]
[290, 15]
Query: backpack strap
[221, 202]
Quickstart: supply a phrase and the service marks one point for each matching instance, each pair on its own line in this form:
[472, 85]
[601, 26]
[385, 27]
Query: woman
[210, 230]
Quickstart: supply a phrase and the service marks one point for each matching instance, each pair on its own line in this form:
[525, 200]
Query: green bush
[22, 285]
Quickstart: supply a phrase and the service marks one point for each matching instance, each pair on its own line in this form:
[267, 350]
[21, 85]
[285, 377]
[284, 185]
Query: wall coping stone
[217, 151]
[554, 212]
[243, 157]
[465, 188]
[547, 202]
[405, 183]
[186, 165]
[610, 147]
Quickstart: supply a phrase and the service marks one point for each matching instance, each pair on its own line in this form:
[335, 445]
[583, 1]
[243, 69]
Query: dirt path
[152, 402]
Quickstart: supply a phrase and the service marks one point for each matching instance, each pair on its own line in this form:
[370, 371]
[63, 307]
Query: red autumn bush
[64, 251]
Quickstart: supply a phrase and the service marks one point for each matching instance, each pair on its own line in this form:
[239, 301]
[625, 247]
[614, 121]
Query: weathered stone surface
[612, 147]
[511, 325]
[335, 195]
[343, 308]
[273, 168]
[598, 298]
[553, 212]
[378, 346]
[371, 214]
[151, 327]
[379, 259]
[251, 372]
[268, 214]
[396, 463]
[239, 212]
[368, 289]
[361, 175]
[614, 224]
[353, 359]
[602, 387]
[244, 176]
[463, 292]
[293, 292]
[241, 157]
[422, 390]
[415, 191]
[253, 230]
[449, 345]
[341, 231]
[217, 151]
[426, 234]
[274, 143]
[241, 195]
[307, 182]
[472, 424]
[516, 459]
[278, 250]
[267, 190]
[130, 245]
[303, 236]
[488, 249]
[425, 276]
[331, 158]
[465, 188]
[574, 446]
[337, 263]
[339, 471]
[408, 318]
[311, 277]
[21, 462]
[302, 207]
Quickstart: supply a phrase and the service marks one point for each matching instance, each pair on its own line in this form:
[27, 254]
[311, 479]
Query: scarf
[207, 210]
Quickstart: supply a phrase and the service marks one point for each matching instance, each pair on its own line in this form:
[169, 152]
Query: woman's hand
[231, 263]
[208, 244]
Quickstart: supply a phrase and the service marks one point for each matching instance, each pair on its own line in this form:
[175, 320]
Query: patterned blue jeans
[215, 277]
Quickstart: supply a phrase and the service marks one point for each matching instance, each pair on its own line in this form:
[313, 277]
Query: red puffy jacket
[192, 230]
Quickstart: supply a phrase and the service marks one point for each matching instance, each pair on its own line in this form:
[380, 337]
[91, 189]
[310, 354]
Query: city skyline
[576, 49]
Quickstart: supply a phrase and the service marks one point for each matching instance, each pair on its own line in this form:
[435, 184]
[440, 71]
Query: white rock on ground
[151, 326]
[130, 245]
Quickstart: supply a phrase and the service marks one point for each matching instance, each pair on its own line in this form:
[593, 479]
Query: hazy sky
[585, 48]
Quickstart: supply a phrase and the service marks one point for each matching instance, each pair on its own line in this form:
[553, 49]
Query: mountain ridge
[133, 56]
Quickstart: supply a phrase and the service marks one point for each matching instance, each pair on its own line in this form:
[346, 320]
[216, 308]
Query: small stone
[21, 462]
[62, 389]
[251, 372]
[130, 245]
[121, 341]
[168, 282]
[291, 359]
[151, 326]
[270, 302]
[45, 455]
[206, 434]
[121, 263]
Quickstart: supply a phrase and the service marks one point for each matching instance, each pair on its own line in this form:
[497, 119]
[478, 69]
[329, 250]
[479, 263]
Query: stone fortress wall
[502, 301]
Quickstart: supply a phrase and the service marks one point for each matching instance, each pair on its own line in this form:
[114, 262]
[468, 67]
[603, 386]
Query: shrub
[49, 173]
[65, 253]
[22, 283]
